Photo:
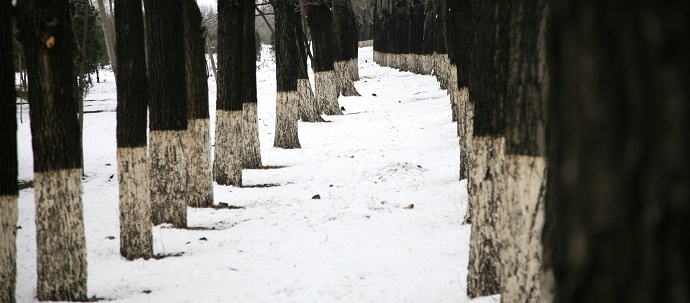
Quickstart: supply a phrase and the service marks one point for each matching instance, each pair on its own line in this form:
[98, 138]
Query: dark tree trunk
[167, 111]
[8, 160]
[308, 108]
[522, 213]
[287, 70]
[227, 165]
[485, 179]
[618, 212]
[320, 20]
[199, 176]
[252, 150]
[46, 34]
[345, 46]
[136, 239]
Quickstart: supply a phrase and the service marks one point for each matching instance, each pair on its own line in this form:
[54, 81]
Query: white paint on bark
[485, 190]
[346, 85]
[227, 159]
[522, 220]
[168, 174]
[453, 92]
[353, 66]
[8, 247]
[308, 109]
[327, 92]
[466, 122]
[251, 155]
[136, 238]
[199, 176]
[442, 70]
[286, 132]
[60, 242]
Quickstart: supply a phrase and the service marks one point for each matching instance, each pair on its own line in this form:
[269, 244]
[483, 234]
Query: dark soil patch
[261, 185]
[23, 184]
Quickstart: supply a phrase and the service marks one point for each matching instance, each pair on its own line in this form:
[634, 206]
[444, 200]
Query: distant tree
[8, 160]
[227, 165]
[618, 206]
[320, 21]
[287, 70]
[167, 112]
[251, 153]
[46, 33]
[308, 108]
[198, 147]
[345, 47]
[108, 26]
[136, 239]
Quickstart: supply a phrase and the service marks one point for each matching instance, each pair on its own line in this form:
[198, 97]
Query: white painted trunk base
[453, 92]
[466, 123]
[199, 176]
[286, 133]
[442, 70]
[8, 247]
[485, 191]
[168, 161]
[136, 238]
[308, 109]
[346, 85]
[227, 159]
[60, 242]
[327, 92]
[353, 67]
[426, 64]
[251, 155]
[522, 219]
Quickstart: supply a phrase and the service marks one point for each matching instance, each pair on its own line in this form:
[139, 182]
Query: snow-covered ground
[359, 243]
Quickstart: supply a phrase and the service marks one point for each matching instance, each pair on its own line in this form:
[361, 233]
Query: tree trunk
[320, 21]
[108, 34]
[522, 213]
[227, 165]
[308, 108]
[211, 58]
[344, 46]
[167, 112]
[287, 70]
[487, 149]
[47, 38]
[8, 160]
[136, 239]
[251, 155]
[618, 212]
[199, 176]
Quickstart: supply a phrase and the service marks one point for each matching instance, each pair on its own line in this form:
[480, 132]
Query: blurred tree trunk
[199, 175]
[251, 154]
[108, 33]
[522, 212]
[227, 165]
[308, 108]
[167, 112]
[618, 206]
[136, 239]
[320, 21]
[8, 160]
[345, 46]
[287, 70]
[47, 37]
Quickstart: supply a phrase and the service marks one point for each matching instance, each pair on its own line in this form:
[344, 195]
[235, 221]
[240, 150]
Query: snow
[358, 243]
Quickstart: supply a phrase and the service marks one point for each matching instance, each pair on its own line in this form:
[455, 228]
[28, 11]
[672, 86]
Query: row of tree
[572, 118]
[162, 82]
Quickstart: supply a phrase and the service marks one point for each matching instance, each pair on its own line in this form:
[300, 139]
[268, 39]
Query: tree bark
[136, 238]
[168, 112]
[617, 205]
[345, 46]
[251, 155]
[9, 190]
[47, 38]
[199, 175]
[320, 21]
[308, 108]
[227, 165]
[108, 34]
[287, 70]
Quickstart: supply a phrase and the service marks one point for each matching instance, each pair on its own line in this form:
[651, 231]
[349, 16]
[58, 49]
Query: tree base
[308, 109]
[168, 177]
[227, 160]
[9, 213]
[251, 155]
[199, 176]
[327, 92]
[136, 238]
[286, 134]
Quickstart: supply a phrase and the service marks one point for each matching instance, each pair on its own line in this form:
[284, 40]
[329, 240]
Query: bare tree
[105, 16]
[320, 21]
[287, 70]
[251, 155]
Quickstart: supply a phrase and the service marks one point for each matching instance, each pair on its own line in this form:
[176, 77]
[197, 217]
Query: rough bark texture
[108, 34]
[47, 38]
[227, 163]
[308, 109]
[60, 242]
[327, 92]
[522, 214]
[251, 154]
[199, 175]
[343, 71]
[286, 120]
[136, 238]
[198, 147]
[168, 112]
[618, 212]
[227, 166]
[344, 45]
[132, 98]
[169, 189]
[8, 160]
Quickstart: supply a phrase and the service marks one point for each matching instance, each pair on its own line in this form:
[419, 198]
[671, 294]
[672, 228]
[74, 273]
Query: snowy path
[358, 243]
